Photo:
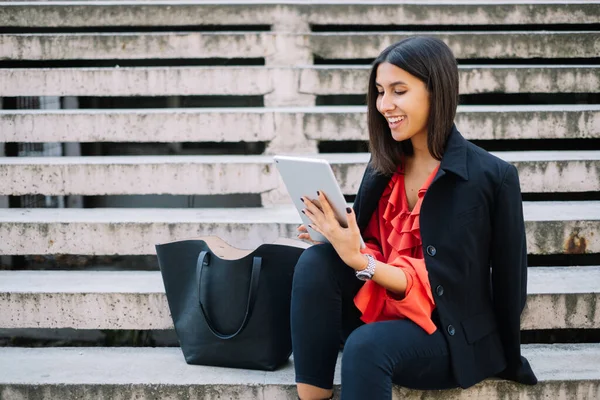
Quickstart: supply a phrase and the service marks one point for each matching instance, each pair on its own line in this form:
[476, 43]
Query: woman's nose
[386, 103]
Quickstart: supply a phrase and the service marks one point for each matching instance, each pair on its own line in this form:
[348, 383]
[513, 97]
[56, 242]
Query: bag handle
[204, 260]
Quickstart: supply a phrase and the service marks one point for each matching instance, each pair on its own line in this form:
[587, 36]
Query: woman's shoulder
[480, 162]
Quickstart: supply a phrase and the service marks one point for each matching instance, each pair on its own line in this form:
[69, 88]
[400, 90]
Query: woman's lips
[394, 125]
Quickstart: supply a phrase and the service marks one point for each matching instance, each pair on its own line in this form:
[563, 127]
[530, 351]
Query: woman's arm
[509, 272]
[346, 242]
[388, 276]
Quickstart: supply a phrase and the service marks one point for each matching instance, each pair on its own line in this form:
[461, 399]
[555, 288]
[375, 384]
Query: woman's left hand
[345, 240]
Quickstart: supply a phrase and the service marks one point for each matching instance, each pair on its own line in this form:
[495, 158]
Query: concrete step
[139, 81]
[565, 372]
[579, 121]
[558, 298]
[464, 45]
[552, 228]
[337, 45]
[327, 79]
[135, 45]
[260, 81]
[539, 171]
[282, 15]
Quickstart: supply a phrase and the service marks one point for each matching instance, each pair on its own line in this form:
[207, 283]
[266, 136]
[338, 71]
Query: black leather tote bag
[230, 313]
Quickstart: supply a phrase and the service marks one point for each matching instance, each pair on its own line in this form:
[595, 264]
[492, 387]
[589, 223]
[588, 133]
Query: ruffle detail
[402, 223]
[401, 247]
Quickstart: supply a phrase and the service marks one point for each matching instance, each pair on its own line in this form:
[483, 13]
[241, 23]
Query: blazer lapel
[455, 156]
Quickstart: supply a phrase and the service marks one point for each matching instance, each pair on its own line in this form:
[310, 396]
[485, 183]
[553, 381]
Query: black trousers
[374, 355]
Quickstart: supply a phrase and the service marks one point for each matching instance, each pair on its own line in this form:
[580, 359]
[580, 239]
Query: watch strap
[369, 271]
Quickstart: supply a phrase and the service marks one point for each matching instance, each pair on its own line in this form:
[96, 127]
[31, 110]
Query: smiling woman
[414, 306]
[416, 79]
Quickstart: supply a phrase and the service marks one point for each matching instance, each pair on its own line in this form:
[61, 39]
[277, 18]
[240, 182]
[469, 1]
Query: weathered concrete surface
[137, 81]
[565, 372]
[150, 125]
[134, 45]
[474, 122]
[169, 13]
[328, 80]
[551, 227]
[140, 174]
[83, 300]
[264, 124]
[464, 45]
[451, 12]
[529, 122]
[181, 13]
[544, 172]
[559, 297]
[281, 48]
[562, 227]
[297, 82]
[540, 172]
[173, 45]
[562, 297]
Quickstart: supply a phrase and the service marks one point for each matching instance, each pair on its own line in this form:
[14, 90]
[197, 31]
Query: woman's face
[403, 100]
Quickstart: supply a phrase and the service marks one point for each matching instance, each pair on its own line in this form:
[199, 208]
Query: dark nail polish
[303, 212]
[301, 199]
[348, 210]
[318, 193]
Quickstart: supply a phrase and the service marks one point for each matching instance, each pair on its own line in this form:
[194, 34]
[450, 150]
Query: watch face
[362, 276]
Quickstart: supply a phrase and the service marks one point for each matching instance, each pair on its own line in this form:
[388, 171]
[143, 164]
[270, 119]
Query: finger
[306, 236]
[313, 213]
[316, 228]
[327, 209]
[302, 228]
[311, 206]
[309, 214]
[317, 203]
[351, 218]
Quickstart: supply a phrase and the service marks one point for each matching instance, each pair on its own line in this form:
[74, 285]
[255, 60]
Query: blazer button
[451, 330]
[431, 250]
[439, 290]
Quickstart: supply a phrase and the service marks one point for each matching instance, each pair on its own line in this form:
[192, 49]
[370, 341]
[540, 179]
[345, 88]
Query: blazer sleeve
[509, 274]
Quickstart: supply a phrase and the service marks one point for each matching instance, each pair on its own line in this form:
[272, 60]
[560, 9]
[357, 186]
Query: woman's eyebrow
[393, 83]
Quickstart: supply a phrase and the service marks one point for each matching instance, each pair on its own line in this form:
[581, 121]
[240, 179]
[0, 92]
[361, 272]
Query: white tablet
[304, 177]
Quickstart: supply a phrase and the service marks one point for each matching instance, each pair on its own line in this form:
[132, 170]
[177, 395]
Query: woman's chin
[399, 137]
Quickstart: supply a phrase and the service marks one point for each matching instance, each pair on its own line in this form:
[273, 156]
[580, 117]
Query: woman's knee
[362, 349]
[366, 371]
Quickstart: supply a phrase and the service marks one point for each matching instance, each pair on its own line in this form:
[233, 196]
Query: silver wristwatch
[367, 273]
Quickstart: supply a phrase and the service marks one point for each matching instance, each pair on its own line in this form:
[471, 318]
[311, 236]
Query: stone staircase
[529, 74]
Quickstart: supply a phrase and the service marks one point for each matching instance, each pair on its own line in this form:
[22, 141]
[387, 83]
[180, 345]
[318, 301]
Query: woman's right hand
[304, 235]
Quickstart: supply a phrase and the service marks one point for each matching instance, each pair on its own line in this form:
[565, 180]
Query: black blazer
[475, 252]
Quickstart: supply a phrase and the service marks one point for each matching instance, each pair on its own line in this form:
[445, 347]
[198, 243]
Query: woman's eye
[395, 92]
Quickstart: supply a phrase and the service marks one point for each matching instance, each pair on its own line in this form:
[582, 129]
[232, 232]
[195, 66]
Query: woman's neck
[421, 159]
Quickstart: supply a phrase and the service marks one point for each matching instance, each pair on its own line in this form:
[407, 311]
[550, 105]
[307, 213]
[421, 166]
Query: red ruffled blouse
[393, 237]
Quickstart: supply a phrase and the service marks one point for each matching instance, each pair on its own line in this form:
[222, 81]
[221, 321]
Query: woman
[434, 300]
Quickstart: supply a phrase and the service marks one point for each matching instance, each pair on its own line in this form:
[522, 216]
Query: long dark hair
[431, 61]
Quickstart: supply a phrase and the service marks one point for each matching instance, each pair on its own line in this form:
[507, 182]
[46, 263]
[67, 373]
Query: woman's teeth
[395, 119]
